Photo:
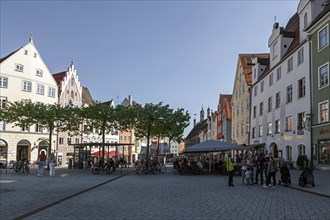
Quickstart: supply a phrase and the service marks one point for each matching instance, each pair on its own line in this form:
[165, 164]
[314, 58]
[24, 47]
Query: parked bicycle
[103, 167]
[21, 166]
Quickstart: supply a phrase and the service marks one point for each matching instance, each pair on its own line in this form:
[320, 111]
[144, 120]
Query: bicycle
[107, 167]
[21, 166]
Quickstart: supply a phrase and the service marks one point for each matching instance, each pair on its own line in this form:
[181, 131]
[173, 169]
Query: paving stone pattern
[159, 196]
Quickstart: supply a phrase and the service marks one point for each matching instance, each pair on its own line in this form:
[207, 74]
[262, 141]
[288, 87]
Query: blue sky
[182, 53]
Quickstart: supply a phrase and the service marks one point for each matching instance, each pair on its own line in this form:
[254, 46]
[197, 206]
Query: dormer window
[39, 72]
[305, 20]
[19, 67]
[275, 50]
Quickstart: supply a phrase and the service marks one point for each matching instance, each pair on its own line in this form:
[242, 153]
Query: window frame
[19, 67]
[3, 82]
[290, 64]
[300, 56]
[321, 47]
[288, 123]
[26, 86]
[278, 100]
[40, 90]
[326, 110]
[289, 94]
[301, 87]
[326, 83]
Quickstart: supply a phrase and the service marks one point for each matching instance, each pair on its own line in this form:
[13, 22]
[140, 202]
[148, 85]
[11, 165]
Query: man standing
[230, 170]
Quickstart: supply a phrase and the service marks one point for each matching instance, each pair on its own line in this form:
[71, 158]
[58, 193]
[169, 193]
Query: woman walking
[51, 164]
[41, 163]
[271, 172]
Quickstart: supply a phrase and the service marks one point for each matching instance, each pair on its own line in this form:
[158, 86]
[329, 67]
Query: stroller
[306, 177]
[285, 176]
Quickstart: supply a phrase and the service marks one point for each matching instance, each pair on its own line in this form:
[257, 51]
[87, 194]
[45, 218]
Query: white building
[281, 90]
[25, 76]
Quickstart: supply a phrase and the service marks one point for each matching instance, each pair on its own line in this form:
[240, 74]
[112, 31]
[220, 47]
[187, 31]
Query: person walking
[41, 163]
[271, 172]
[260, 169]
[51, 164]
[230, 170]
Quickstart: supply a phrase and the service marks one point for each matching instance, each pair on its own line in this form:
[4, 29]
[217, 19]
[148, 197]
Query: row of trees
[150, 120]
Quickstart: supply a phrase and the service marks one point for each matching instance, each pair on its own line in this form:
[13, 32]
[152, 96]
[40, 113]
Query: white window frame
[270, 104]
[19, 67]
[326, 111]
[326, 37]
[269, 128]
[278, 100]
[262, 84]
[3, 102]
[290, 64]
[271, 79]
[301, 87]
[3, 82]
[261, 108]
[260, 131]
[278, 73]
[27, 86]
[289, 93]
[300, 120]
[277, 126]
[40, 89]
[300, 57]
[326, 76]
[51, 92]
[288, 123]
[39, 72]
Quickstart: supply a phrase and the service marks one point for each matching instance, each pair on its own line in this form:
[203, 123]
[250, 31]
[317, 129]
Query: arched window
[305, 20]
[289, 153]
[301, 149]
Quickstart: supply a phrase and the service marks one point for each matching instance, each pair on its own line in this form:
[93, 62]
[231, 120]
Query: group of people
[253, 169]
[41, 162]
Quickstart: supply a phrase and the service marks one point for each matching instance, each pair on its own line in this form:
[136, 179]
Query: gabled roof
[292, 30]
[59, 77]
[6, 57]
[246, 60]
[86, 96]
[227, 102]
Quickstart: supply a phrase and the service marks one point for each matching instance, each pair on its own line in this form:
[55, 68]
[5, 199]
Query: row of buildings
[25, 76]
[280, 99]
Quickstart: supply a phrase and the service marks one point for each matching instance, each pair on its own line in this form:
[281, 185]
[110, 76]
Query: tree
[50, 116]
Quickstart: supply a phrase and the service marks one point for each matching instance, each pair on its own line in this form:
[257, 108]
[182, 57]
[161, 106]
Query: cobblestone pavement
[78, 194]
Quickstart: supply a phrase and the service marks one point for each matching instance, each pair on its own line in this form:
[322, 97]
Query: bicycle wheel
[16, 167]
[96, 170]
[163, 169]
[109, 169]
[137, 170]
[27, 169]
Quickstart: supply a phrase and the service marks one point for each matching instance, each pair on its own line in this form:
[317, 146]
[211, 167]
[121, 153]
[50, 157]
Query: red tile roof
[59, 77]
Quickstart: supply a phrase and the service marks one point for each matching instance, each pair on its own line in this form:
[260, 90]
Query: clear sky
[181, 53]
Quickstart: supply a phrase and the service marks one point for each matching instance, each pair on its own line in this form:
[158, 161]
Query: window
[271, 79]
[242, 107]
[254, 111]
[40, 89]
[61, 140]
[275, 50]
[19, 67]
[27, 86]
[261, 107]
[269, 128]
[77, 140]
[323, 37]
[3, 102]
[262, 86]
[324, 112]
[260, 131]
[237, 131]
[278, 100]
[242, 128]
[255, 90]
[39, 72]
[277, 126]
[247, 103]
[301, 88]
[289, 153]
[301, 149]
[289, 94]
[324, 76]
[270, 104]
[35, 55]
[25, 52]
[3, 82]
[288, 123]
[26, 128]
[305, 20]
[290, 64]
[300, 56]
[253, 132]
[38, 128]
[237, 110]
[51, 92]
[300, 122]
[69, 140]
[278, 73]
[2, 126]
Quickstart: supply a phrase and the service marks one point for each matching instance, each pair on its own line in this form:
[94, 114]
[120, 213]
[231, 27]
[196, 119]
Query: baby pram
[306, 177]
[285, 176]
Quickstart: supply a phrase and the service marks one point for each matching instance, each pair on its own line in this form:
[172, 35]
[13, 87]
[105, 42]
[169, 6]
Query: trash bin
[70, 164]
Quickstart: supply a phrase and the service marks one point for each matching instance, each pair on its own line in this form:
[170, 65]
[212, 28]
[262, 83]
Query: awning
[106, 154]
[211, 146]
[256, 146]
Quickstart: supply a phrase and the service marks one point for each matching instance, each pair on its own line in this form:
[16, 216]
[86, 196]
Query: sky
[182, 53]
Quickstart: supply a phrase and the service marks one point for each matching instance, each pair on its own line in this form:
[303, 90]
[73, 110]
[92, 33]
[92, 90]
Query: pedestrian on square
[230, 170]
[271, 172]
[260, 169]
[244, 166]
[41, 163]
[51, 164]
